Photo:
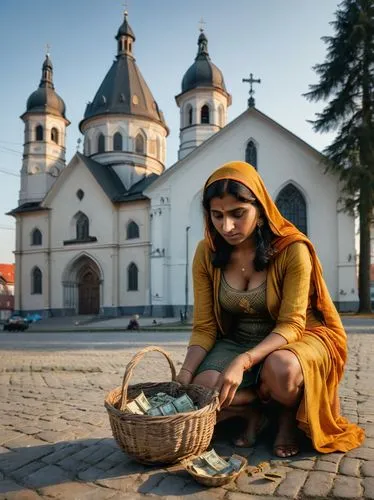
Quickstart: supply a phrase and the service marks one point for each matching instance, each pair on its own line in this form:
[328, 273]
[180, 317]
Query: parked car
[15, 323]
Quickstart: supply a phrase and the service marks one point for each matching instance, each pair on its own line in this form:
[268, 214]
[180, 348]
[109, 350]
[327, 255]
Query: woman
[265, 327]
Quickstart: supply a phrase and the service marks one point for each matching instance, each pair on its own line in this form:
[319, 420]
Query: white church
[113, 232]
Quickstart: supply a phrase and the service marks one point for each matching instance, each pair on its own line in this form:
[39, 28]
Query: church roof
[105, 177]
[124, 90]
[45, 99]
[218, 136]
[203, 73]
[30, 206]
[112, 185]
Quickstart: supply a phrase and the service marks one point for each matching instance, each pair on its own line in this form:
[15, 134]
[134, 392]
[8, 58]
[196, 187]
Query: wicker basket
[214, 481]
[161, 439]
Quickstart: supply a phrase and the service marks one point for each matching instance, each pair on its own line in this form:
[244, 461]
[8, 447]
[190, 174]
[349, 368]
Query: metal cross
[126, 5]
[202, 24]
[251, 81]
[47, 47]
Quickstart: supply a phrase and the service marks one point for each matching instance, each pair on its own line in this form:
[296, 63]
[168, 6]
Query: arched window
[54, 135]
[139, 144]
[101, 144]
[251, 154]
[39, 133]
[82, 227]
[36, 281]
[291, 204]
[132, 277]
[205, 114]
[117, 142]
[132, 230]
[36, 237]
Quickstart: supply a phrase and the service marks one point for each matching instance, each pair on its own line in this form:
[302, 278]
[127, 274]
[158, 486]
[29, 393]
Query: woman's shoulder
[203, 252]
[295, 251]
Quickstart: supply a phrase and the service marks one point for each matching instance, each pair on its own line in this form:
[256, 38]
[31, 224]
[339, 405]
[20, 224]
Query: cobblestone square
[56, 442]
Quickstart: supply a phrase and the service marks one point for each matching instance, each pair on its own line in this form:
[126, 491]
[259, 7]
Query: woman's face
[234, 220]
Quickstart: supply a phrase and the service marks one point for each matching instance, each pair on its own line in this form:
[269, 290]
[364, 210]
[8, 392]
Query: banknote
[214, 460]
[183, 404]
[142, 402]
[132, 407]
[154, 412]
[167, 409]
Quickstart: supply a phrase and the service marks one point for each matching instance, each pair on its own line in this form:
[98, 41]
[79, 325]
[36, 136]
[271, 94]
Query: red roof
[372, 272]
[7, 272]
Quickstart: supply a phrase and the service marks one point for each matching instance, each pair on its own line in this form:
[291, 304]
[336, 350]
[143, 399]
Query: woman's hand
[184, 376]
[231, 378]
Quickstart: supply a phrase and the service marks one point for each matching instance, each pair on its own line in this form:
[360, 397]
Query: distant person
[265, 329]
[133, 323]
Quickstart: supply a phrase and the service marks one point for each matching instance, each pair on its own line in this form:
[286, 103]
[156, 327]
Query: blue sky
[278, 41]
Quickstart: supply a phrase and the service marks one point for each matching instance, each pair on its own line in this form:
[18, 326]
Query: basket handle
[131, 365]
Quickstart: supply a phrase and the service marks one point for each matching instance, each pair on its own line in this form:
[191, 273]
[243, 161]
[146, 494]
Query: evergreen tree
[346, 79]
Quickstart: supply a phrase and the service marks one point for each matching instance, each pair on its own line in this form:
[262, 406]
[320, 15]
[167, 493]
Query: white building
[112, 232]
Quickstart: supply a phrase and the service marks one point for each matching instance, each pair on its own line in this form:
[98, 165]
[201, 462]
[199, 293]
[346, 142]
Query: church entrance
[82, 283]
[88, 291]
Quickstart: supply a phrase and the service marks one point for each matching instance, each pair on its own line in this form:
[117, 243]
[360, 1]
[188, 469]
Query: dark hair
[263, 234]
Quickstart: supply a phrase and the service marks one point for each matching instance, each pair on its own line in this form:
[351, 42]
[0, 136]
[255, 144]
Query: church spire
[47, 72]
[202, 43]
[125, 38]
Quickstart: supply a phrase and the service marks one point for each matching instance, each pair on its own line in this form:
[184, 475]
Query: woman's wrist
[187, 370]
[248, 363]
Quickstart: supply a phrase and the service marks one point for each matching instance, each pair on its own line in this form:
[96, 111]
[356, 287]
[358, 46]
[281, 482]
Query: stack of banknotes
[211, 464]
[160, 404]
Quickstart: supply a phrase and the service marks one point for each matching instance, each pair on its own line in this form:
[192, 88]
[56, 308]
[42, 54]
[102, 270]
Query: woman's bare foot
[256, 421]
[286, 443]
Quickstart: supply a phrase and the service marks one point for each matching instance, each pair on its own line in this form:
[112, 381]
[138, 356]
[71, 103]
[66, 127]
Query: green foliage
[346, 78]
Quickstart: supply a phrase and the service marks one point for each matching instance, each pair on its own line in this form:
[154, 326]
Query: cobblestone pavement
[56, 442]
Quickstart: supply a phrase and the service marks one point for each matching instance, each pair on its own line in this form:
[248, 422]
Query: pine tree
[346, 79]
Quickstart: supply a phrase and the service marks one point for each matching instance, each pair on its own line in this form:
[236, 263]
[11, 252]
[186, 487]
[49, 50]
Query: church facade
[113, 232]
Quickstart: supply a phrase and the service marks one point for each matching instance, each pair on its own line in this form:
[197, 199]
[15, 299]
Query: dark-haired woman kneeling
[265, 328]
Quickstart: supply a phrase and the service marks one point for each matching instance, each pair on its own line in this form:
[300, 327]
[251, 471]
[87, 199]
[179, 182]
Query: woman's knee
[282, 371]
[207, 378]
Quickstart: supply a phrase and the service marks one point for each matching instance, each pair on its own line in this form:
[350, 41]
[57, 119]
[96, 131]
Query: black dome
[203, 73]
[45, 99]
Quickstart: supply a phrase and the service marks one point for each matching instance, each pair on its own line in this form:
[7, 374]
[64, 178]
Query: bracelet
[250, 360]
[187, 370]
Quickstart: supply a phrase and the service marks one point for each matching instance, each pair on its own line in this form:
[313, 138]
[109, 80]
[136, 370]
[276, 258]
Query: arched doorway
[82, 283]
[88, 290]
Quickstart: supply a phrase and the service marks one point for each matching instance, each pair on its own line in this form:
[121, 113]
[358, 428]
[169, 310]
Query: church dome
[203, 73]
[124, 90]
[45, 99]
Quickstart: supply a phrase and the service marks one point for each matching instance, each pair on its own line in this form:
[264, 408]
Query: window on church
[132, 277]
[82, 227]
[39, 133]
[189, 115]
[291, 204]
[36, 281]
[139, 144]
[205, 114]
[54, 135]
[117, 142]
[101, 144]
[36, 237]
[251, 154]
[132, 230]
